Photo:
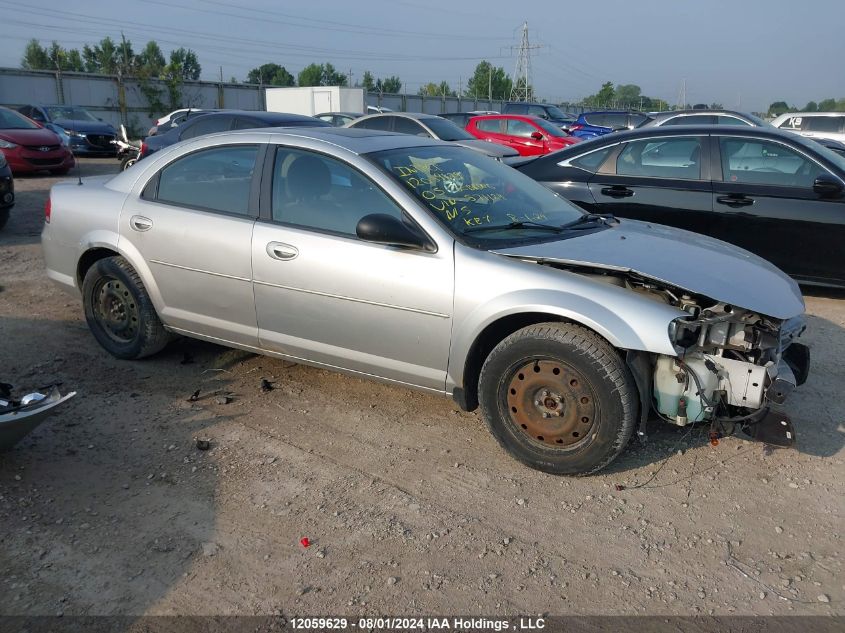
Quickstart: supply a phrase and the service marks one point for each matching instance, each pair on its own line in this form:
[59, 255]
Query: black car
[88, 134]
[223, 122]
[7, 191]
[703, 117]
[777, 195]
[543, 110]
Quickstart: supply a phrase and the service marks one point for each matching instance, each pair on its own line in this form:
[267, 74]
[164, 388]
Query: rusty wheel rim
[551, 403]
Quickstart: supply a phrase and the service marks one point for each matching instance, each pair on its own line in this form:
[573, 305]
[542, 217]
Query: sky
[744, 54]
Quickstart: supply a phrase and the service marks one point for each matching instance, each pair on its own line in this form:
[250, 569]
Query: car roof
[355, 114]
[520, 117]
[671, 113]
[261, 115]
[791, 114]
[356, 140]
[417, 116]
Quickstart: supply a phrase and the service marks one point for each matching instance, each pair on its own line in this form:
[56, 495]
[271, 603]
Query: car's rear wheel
[119, 311]
[558, 398]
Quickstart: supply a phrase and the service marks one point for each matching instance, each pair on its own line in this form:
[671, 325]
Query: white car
[817, 125]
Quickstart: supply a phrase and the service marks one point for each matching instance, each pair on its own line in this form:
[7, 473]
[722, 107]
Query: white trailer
[313, 100]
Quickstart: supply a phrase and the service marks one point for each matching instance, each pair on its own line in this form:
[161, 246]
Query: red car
[28, 147]
[529, 135]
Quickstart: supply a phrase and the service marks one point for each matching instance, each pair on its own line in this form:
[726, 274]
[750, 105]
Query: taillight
[143, 151]
[48, 207]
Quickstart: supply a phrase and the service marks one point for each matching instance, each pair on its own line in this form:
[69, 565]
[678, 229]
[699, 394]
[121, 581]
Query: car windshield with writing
[445, 130]
[71, 114]
[13, 121]
[480, 200]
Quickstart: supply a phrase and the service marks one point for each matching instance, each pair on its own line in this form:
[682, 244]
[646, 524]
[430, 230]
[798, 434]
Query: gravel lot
[409, 504]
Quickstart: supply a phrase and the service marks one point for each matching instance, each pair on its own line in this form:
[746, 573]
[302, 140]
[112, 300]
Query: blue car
[592, 124]
[88, 135]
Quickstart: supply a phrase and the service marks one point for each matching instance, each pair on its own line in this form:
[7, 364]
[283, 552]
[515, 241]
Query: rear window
[592, 161]
[823, 123]
[378, 123]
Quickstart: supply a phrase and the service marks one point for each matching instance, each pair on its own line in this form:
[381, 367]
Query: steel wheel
[551, 403]
[116, 310]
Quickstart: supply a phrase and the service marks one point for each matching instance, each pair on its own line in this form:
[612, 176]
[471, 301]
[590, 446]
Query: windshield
[13, 121]
[446, 130]
[548, 126]
[834, 157]
[466, 191]
[71, 113]
[557, 113]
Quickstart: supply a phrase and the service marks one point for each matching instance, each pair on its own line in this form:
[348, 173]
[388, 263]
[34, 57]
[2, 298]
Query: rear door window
[661, 158]
[408, 126]
[205, 125]
[217, 179]
[383, 123]
[823, 123]
[489, 125]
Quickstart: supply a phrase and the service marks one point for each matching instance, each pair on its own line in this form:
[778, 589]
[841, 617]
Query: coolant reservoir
[668, 390]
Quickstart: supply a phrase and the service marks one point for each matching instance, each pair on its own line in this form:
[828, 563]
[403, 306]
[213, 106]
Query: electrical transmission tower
[521, 88]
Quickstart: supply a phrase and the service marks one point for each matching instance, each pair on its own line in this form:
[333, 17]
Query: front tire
[119, 311]
[558, 398]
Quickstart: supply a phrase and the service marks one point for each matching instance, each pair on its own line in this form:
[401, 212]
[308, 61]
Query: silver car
[432, 266]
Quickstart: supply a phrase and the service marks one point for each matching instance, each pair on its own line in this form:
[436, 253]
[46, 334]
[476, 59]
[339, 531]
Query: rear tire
[119, 311]
[558, 398]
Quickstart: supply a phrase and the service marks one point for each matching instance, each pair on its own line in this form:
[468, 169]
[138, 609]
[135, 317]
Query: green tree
[827, 105]
[74, 61]
[604, 96]
[368, 82]
[488, 80]
[811, 106]
[150, 61]
[62, 59]
[35, 56]
[311, 75]
[779, 107]
[184, 64]
[840, 105]
[391, 85]
[270, 75]
[321, 75]
[627, 94]
[101, 58]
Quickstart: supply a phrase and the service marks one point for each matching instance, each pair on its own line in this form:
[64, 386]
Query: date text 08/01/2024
[428, 623]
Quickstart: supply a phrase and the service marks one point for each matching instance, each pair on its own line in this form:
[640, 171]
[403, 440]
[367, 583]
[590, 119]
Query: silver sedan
[432, 266]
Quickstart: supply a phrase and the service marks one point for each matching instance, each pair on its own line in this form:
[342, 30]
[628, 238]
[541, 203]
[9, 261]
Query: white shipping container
[313, 100]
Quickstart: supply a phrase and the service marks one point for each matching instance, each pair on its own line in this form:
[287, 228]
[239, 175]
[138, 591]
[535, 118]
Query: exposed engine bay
[733, 366]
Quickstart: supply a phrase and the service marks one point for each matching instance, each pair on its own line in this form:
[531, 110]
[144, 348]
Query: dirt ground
[409, 504]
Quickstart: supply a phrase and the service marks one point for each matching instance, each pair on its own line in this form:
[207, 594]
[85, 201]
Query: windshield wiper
[525, 224]
[590, 220]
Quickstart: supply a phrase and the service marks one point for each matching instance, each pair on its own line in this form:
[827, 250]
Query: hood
[487, 147]
[679, 258]
[39, 136]
[87, 127]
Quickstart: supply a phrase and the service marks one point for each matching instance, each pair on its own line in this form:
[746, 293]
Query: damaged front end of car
[733, 367]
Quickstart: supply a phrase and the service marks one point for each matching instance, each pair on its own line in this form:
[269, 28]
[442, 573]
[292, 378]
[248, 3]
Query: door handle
[617, 192]
[284, 252]
[140, 223]
[735, 201]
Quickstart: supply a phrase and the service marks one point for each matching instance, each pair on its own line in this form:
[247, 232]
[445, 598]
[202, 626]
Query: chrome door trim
[353, 299]
[198, 270]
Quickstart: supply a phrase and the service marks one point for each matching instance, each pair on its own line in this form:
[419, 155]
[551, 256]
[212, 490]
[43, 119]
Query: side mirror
[827, 186]
[386, 229]
[537, 136]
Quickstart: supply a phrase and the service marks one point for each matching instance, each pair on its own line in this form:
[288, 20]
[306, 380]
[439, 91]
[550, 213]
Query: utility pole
[521, 89]
[489, 82]
[350, 78]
